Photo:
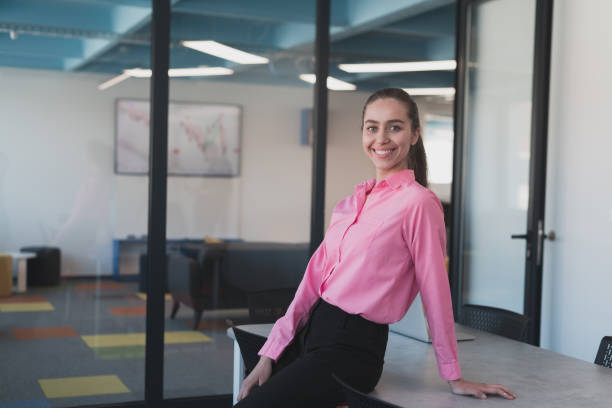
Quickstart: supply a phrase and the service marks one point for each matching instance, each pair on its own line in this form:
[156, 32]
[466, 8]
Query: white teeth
[382, 152]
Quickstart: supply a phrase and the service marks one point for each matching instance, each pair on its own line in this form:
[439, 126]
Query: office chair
[249, 345]
[493, 320]
[267, 306]
[357, 399]
[604, 354]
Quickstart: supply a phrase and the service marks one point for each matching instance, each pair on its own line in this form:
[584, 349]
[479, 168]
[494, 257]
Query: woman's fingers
[245, 389]
[500, 390]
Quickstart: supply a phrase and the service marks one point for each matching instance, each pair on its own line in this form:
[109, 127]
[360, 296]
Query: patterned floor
[83, 342]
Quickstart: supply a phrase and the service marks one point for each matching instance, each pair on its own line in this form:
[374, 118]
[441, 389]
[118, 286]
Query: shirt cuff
[450, 371]
[271, 349]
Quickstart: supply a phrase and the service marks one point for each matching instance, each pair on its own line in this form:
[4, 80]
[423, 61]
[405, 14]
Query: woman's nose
[382, 136]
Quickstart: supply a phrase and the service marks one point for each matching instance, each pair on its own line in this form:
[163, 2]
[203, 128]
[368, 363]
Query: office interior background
[59, 185]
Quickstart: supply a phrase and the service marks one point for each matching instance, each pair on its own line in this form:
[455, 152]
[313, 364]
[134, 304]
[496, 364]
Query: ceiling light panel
[225, 52]
[332, 83]
[430, 91]
[414, 66]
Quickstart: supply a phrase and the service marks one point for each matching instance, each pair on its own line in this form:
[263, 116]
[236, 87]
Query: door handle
[541, 237]
[518, 236]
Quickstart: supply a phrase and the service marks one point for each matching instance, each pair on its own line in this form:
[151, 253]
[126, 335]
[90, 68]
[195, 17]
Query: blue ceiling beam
[25, 45]
[431, 79]
[361, 16]
[379, 47]
[228, 31]
[441, 49]
[69, 14]
[265, 11]
[139, 56]
[438, 23]
[365, 15]
[34, 62]
[129, 19]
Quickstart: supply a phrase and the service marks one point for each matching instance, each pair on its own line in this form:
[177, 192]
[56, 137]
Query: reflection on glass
[498, 121]
[71, 309]
[239, 185]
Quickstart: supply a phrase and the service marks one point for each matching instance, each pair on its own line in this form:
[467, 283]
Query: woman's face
[387, 136]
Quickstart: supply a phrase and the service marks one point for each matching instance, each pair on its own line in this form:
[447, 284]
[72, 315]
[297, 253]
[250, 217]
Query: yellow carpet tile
[138, 339]
[82, 386]
[26, 307]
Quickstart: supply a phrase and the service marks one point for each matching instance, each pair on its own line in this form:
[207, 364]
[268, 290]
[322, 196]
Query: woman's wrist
[455, 381]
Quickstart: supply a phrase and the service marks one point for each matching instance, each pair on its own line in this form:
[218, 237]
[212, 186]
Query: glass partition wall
[73, 204]
[239, 179]
[240, 169]
[375, 45]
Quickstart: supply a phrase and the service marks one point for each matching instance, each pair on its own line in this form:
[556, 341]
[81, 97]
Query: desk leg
[22, 275]
[238, 372]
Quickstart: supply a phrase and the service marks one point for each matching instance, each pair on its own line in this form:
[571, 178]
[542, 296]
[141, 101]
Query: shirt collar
[396, 180]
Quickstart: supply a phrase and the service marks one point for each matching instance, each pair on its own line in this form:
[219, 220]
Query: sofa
[223, 275]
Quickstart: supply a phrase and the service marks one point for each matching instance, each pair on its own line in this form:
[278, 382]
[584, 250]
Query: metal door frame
[537, 165]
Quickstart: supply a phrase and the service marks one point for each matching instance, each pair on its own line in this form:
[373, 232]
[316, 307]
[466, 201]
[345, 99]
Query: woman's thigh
[306, 382]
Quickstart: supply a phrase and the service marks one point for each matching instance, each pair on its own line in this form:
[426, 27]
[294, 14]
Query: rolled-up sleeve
[426, 239]
[298, 312]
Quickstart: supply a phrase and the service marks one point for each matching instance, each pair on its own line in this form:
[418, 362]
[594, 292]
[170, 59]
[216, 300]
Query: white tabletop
[540, 378]
[20, 255]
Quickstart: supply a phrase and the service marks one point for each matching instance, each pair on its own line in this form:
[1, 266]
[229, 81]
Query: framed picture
[203, 139]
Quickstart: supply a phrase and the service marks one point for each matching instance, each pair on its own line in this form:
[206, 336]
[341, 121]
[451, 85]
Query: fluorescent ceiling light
[430, 91]
[446, 65]
[113, 81]
[181, 72]
[199, 71]
[225, 52]
[332, 83]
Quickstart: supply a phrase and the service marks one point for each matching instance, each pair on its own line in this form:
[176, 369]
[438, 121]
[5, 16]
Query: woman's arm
[298, 311]
[286, 327]
[426, 235]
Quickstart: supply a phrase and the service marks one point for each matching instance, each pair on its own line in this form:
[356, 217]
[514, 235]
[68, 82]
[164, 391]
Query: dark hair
[417, 160]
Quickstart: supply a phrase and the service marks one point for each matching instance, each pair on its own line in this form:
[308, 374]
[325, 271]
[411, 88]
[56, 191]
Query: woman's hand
[259, 375]
[479, 390]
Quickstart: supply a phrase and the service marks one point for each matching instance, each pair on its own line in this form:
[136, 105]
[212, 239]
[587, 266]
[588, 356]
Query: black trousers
[332, 342]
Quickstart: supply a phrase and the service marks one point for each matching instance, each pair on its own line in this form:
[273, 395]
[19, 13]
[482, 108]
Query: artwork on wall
[203, 139]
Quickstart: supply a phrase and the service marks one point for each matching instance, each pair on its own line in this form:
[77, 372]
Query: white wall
[58, 187]
[57, 181]
[577, 305]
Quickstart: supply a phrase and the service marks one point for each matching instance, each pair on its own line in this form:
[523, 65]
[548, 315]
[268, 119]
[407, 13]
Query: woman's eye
[371, 129]
[395, 128]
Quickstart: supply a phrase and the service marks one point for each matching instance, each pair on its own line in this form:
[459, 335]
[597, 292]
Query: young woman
[385, 243]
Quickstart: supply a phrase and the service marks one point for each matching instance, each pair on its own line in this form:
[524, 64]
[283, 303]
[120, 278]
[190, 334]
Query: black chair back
[604, 354]
[249, 344]
[493, 320]
[357, 399]
[267, 306]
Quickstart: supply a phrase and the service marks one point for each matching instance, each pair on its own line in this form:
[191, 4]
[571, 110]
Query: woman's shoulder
[418, 195]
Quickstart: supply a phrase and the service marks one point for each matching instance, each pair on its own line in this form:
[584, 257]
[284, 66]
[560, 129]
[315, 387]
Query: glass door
[500, 155]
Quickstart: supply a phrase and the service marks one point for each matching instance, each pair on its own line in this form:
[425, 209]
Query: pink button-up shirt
[385, 243]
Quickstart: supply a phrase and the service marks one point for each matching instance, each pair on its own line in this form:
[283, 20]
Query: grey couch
[210, 276]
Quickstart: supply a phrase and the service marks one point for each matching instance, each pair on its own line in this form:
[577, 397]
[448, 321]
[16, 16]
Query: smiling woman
[386, 243]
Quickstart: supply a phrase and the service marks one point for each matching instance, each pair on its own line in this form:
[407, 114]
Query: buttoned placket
[361, 200]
